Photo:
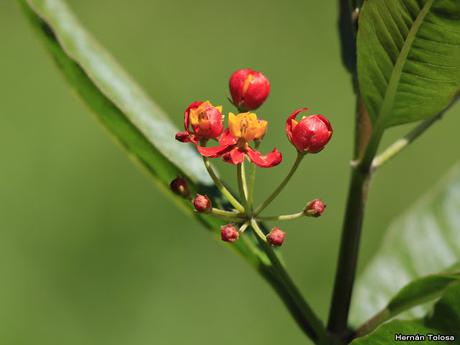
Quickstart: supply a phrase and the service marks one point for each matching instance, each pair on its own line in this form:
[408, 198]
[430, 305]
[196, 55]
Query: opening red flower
[234, 142]
[202, 121]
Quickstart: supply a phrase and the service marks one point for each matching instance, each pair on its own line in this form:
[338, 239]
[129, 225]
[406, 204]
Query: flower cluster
[237, 144]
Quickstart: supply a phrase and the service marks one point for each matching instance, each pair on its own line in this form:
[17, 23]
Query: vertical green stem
[348, 256]
[242, 186]
[251, 183]
[283, 183]
[352, 225]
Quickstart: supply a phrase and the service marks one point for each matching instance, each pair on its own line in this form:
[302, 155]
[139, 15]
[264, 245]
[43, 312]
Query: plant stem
[348, 256]
[283, 183]
[235, 203]
[228, 215]
[302, 312]
[244, 226]
[242, 186]
[372, 323]
[251, 183]
[284, 216]
[252, 180]
[367, 142]
[258, 231]
[403, 142]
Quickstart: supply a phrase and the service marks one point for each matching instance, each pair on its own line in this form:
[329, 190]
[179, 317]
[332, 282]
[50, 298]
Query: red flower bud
[249, 89]
[310, 134]
[276, 237]
[315, 208]
[180, 187]
[229, 233]
[202, 203]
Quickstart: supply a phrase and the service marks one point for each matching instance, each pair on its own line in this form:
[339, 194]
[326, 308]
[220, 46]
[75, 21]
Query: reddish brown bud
[180, 187]
[229, 233]
[249, 89]
[276, 237]
[315, 208]
[202, 203]
[310, 134]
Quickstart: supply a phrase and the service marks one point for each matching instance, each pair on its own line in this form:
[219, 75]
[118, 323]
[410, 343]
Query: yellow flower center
[199, 117]
[246, 126]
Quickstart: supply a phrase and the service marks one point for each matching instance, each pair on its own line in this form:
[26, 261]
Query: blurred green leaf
[421, 290]
[444, 321]
[425, 240]
[122, 106]
[408, 58]
[417, 292]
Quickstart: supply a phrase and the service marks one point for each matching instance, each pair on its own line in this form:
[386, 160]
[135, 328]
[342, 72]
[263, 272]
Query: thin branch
[284, 216]
[235, 203]
[400, 144]
[242, 186]
[227, 215]
[283, 183]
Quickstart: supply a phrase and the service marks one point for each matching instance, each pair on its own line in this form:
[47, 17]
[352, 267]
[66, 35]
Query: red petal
[235, 156]
[289, 121]
[227, 138]
[270, 160]
[213, 152]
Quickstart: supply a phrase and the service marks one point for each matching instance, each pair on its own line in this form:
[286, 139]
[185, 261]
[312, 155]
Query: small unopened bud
[315, 208]
[276, 237]
[180, 187]
[229, 233]
[202, 203]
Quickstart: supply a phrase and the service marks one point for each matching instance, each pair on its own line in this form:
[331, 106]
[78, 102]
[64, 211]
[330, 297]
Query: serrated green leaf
[444, 321]
[425, 240]
[408, 58]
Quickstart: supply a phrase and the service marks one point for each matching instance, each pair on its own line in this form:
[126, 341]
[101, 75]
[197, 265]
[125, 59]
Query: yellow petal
[194, 116]
[261, 129]
[234, 125]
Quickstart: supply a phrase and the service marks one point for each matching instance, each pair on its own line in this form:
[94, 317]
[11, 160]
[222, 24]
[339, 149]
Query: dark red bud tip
[315, 208]
[249, 89]
[229, 233]
[202, 203]
[276, 237]
[183, 137]
[180, 187]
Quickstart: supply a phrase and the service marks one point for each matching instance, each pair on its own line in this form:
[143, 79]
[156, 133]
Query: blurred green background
[92, 253]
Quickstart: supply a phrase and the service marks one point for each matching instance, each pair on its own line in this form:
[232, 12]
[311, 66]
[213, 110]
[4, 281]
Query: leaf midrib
[388, 100]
